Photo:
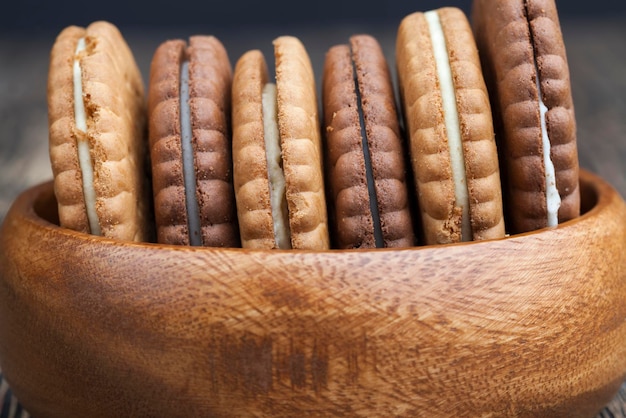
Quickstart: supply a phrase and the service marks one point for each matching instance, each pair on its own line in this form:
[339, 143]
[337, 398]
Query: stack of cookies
[477, 141]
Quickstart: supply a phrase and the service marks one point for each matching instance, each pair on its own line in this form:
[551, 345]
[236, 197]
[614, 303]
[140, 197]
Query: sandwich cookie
[189, 106]
[96, 111]
[449, 125]
[523, 56]
[277, 155]
[364, 149]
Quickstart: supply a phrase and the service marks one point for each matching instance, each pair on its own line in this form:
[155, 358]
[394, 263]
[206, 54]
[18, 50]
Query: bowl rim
[596, 196]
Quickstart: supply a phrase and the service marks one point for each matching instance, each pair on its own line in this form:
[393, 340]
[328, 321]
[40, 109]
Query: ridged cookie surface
[424, 119]
[368, 186]
[300, 136]
[210, 79]
[252, 188]
[300, 150]
[113, 97]
[511, 35]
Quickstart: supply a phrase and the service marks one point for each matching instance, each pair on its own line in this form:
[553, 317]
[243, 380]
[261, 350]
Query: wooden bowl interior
[45, 204]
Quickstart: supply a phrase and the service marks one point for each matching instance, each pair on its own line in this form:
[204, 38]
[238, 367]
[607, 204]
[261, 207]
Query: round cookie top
[300, 137]
[250, 172]
[189, 128]
[448, 119]
[96, 111]
[365, 166]
[292, 113]
[524, 59]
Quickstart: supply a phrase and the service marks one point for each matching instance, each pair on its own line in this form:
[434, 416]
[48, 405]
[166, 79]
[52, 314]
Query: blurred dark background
[50, 16]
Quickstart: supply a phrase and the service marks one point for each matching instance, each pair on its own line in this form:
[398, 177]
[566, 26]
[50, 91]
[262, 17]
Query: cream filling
[553, 199]
[276, 176]
[82, 144]
[189, 170]
[451, 119]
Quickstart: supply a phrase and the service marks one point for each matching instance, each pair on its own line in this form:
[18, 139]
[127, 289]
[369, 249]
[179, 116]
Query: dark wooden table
[597, 57]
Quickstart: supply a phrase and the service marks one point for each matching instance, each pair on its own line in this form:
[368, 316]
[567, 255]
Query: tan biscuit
[252, 188]
[434, 118]
[193, 200]
[96, 63]
[520, 41]
[297, 125]
[365, 163]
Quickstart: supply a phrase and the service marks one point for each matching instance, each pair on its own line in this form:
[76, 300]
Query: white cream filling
[553, 199]
[451, 119]
[82, 144]
[276, 176]
[189, 170]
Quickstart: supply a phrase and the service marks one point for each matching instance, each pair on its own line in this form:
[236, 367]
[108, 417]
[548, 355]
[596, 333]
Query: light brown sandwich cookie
[449, 125]
[189, 129]
[277, 153]
[364, 149]
[96, 110]
[523, 56]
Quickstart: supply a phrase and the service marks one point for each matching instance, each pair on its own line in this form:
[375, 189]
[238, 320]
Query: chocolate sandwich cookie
[364, 150]
[96, 111]
[278, 172]
[523, 56]
[189, 102]
[449, 125]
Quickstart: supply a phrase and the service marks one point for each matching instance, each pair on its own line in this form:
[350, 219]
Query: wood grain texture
[596, 54]
[531, 325]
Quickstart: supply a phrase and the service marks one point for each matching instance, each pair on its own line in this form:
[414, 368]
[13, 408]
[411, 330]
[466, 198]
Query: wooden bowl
[530, 325]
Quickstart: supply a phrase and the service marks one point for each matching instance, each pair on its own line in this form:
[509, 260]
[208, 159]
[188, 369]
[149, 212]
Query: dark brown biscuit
[111, 134]
[210, 164]
[520, 41]
[429, 114]
[364, 152]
